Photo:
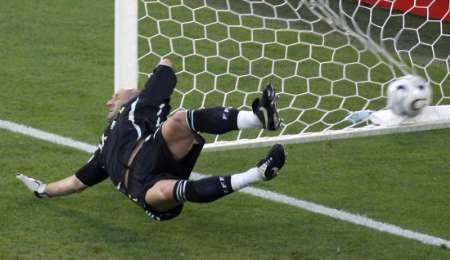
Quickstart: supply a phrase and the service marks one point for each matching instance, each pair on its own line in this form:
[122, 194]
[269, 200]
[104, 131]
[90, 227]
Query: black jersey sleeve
[153, 104]
[161, 84]
[92, 172]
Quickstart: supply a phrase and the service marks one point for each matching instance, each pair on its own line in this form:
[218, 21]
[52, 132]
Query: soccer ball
[408, 95]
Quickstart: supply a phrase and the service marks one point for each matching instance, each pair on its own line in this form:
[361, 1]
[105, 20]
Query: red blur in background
[435, 9]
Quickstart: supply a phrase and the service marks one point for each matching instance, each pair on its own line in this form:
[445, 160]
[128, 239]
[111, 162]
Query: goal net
[327, 59]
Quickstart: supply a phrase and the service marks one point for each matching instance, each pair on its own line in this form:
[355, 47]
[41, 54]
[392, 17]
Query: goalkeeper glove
[37, 187]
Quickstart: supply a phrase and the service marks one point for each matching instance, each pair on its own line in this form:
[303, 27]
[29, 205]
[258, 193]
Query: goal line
[370, 130]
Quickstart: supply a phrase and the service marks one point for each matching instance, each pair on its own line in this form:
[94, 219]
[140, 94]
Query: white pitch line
[49, 137]
[265, 194]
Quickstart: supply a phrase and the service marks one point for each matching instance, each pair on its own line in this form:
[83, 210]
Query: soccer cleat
[266, 110]
[37, 187]
[273, 162]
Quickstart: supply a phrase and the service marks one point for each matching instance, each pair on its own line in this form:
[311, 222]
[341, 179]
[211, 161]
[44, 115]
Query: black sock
[217, 120]
[205, 190]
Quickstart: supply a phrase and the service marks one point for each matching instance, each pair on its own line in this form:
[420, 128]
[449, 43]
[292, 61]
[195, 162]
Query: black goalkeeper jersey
[139, 118]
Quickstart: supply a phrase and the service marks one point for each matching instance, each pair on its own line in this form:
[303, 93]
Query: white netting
[326, 58]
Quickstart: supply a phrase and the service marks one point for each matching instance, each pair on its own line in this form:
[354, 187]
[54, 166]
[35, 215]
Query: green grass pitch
[56, 73]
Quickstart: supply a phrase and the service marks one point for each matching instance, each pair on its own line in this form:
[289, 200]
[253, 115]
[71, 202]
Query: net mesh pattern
[325, 58]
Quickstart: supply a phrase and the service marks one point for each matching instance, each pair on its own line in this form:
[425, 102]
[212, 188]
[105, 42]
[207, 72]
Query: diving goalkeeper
[149, 157]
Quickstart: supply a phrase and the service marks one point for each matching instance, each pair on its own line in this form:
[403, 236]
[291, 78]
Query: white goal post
[125, 45]
[327, 58]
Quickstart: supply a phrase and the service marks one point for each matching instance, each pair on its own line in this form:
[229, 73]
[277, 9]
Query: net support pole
[125, 45]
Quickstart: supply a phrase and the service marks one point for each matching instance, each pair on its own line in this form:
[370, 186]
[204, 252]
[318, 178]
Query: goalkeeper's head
[117, 100]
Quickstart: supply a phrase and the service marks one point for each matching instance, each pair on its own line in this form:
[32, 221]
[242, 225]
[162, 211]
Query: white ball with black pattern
[409, 95]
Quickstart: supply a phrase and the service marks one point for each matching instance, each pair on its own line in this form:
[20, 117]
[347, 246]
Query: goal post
[125, 44]
[327, 59]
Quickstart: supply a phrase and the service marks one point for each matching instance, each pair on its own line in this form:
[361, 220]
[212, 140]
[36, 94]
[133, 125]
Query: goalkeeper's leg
[167, 194]
[220, 120]
[178, 131]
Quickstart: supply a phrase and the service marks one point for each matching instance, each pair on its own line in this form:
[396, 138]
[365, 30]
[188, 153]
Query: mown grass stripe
[265, 194]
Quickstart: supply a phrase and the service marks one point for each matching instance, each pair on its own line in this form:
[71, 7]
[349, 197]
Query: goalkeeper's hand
[36, 186]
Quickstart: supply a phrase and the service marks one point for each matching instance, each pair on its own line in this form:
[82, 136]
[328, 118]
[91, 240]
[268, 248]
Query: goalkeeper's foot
[36, 186]
[266, 110]
[273, 162]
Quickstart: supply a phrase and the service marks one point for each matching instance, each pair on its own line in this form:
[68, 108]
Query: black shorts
[155, 162]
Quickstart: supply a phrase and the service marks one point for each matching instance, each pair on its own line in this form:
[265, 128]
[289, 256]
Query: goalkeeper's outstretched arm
[62, 187]
[88, 175]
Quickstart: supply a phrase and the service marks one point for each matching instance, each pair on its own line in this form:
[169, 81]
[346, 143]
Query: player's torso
[119, 139]
[137, 119]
